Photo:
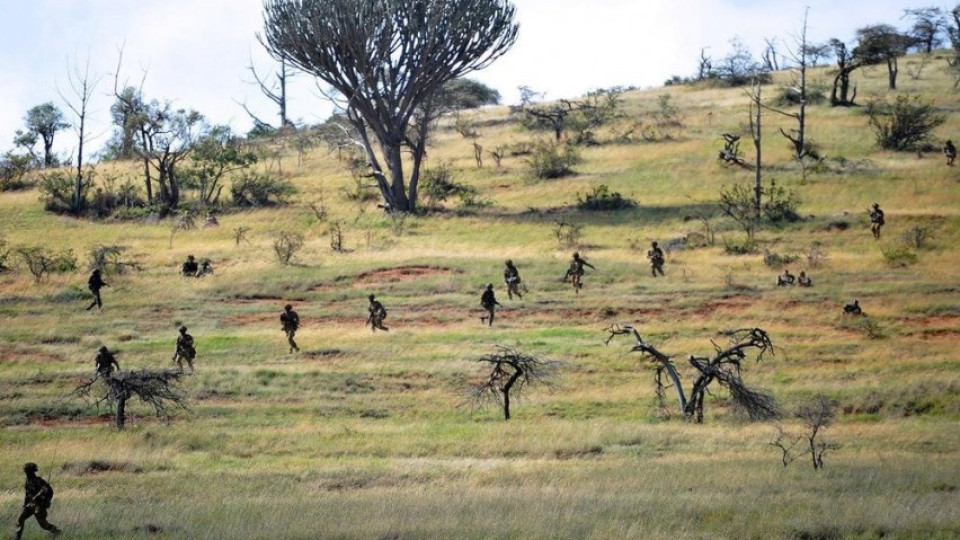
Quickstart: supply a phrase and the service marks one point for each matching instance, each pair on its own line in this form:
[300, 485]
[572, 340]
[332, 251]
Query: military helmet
[654, 244]
[371, 297]
[876, 205]
[183, 329]
[288, 307]
[509, 262]
[576, 254]
[104, 349]
[30, 468]
[489, 285]
[190, 257]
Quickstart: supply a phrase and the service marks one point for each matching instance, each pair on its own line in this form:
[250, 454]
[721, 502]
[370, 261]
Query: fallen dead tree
[722, 367]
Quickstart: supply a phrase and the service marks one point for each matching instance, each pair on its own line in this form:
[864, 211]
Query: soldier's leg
[41, 515]
[24, 516]
[293, 344]
[490, 320]
[98, 300]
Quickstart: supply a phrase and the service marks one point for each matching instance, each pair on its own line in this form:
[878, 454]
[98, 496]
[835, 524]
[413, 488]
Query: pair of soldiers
[106, 363]
[37, 498]
[876, 220]
[190, 267]
[488, 299]
[787, 279]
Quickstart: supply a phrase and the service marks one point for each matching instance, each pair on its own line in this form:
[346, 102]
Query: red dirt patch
[401, 273]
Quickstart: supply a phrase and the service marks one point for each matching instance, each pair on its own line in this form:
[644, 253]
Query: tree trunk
[506, 392]
[121, 414]
[892, 70]
[394, 160]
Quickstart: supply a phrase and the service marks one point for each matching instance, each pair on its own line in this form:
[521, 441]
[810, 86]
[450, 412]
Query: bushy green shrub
[899, 256]
[260, 189]
[550, 159]
[601, 198]
[903, 124]
[437, 185]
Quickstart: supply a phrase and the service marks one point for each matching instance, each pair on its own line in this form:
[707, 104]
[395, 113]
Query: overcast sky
[196, 52]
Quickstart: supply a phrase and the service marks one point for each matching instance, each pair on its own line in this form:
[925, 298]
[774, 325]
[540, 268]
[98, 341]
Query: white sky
[195, 52]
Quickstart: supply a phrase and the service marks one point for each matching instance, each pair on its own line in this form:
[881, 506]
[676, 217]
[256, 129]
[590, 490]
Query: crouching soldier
[804, 280]
[786, 278]
[853, 309]
[37, 498]
[377, 314]
[189, 267]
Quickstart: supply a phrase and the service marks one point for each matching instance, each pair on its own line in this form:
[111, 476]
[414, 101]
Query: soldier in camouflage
[488, 302]
[37, 498]
[575, 271]
[377, 314]
[185, 349]
[105, 362]
[95, 283]
[655, 255]
[511, 277]
[290, 322]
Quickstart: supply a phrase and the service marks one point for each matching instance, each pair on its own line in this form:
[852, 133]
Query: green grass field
[366, 435]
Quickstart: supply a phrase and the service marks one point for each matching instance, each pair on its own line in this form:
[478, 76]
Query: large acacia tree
[388, 58]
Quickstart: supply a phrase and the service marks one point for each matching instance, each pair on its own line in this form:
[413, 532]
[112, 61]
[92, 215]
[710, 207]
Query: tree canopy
[386, 58]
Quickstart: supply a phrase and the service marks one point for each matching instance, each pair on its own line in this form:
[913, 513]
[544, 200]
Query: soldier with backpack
[37, 498]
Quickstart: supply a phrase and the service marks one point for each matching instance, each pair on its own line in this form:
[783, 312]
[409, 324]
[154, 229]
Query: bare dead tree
[704, 66]
[663, 363]
[497, 155]
[511, 373]
[816, 416]
[723, 367]
[797, 136]
[770, 54]
[275, 90]
[82, 87]
[240, 235]
[160, 389]
[478, 155]
[756, 115]
[731, 150]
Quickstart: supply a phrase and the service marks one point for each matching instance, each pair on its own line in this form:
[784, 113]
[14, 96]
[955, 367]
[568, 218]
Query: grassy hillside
[366, 435]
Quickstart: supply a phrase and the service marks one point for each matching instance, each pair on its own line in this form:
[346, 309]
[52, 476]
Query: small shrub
[903, 124]
[747, 247]
[260, 189]
[550, 160]
[601, 198]
[437, 185]
[780, 205]
[917, 237]
[789, 96]
[567, 232]
[775, 260]
[57, 190]
[286, 245]
[13, 171]
[899, 256]
[41, 261]
[109, 259]
[815, 256]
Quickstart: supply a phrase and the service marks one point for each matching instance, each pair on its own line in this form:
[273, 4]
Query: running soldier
[488, 302]
[377, 314]
[185, 350]
[189, 267]
[786, 278]
[95, 283]
[105, 362]
[876, 221]
[950, 152]
[291, 322]
[656, 259]
[576, 271]
[511, 277]
[37, 498]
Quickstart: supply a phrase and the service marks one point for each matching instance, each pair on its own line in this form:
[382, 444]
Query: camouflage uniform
[290, 322]
[853, 309]
[185, 349]
[576, 271]
[105, 362]
[38, 496]
[950, 152]
[785, 279]
[488, 302]
[511, 277]
[206, 268]
[656, 259]
[189, 267]
[377, 314]
[804, 280]
[876, 220]
[95, 283]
